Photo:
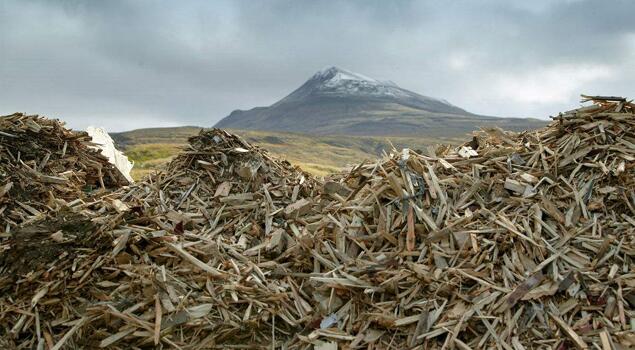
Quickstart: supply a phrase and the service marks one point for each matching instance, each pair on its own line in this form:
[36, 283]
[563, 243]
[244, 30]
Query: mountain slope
[337, 101]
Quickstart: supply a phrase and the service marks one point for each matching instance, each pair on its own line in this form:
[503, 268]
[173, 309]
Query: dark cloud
[130, 64]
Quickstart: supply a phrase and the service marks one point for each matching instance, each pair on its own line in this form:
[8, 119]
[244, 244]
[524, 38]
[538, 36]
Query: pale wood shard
[333, 187]
[157, 320]
[5, 188]
[276, 239]
[331, 345]
[223, 189]
[196, 262]
[66, 338]
[53, 179]
[120, 206]
[516, 186]
[298, 208]
[577, 340]
[526, 244]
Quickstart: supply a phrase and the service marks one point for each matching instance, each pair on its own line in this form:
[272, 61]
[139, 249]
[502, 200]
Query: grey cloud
[130, 64]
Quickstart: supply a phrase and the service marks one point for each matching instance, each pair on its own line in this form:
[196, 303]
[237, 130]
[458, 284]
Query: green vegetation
[152, 151]
[150, 156]
[175, 135]
[319, 155]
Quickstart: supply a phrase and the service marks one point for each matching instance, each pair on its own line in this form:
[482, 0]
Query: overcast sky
[133, 64]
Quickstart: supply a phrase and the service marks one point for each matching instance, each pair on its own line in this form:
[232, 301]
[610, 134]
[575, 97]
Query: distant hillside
[337, 101]
[150, 148]
[177, 134]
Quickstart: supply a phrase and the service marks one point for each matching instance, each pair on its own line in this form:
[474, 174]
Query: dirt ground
[32, 248]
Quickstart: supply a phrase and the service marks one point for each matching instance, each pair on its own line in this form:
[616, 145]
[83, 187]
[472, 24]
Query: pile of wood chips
[185, 257]
[512, 240]
[43, 166]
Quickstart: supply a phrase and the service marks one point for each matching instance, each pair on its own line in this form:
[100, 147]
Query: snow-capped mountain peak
[337, 81]
[334, 75]
[337, 101]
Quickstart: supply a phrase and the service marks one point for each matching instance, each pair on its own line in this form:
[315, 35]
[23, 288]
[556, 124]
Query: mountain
[336, 101]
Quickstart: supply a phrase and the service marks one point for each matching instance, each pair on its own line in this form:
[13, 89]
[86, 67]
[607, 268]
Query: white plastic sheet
[107, 146]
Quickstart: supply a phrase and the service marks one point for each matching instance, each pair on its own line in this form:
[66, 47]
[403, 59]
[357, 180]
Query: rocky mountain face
[337, 101]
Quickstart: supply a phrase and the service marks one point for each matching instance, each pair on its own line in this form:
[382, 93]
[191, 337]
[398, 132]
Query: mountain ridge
[337, 101]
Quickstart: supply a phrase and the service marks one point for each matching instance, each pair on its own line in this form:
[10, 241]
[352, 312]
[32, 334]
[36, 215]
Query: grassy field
[148, 157]
[319, 155]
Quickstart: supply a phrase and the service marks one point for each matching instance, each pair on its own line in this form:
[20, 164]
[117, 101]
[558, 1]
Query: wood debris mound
[44, 166]
[197, 254]
[512, 240]
[525, 240]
